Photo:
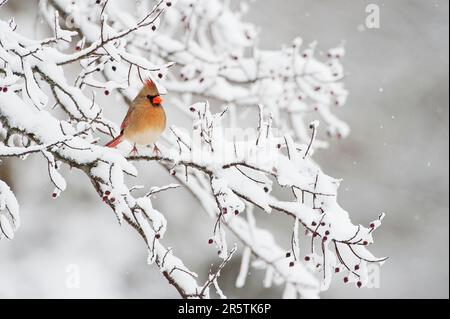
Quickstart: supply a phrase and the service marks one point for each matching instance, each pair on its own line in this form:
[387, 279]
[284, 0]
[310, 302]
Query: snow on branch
[241, 173]
[193, 50]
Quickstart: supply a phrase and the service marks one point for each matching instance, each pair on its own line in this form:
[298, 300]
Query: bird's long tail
[115, 142]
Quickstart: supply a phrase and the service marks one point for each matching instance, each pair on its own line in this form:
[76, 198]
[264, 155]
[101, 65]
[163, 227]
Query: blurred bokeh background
[395, 160]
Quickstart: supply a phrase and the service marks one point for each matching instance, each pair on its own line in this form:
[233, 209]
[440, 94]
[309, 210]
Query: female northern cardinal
[145, 120]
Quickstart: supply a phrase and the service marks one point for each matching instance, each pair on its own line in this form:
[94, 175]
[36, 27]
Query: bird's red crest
[150, 84]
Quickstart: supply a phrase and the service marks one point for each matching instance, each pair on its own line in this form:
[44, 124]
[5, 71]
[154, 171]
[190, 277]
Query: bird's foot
[156, 150]
[134, 151]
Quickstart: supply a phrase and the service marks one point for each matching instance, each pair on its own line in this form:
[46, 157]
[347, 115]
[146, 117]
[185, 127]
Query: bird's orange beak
[157, 100]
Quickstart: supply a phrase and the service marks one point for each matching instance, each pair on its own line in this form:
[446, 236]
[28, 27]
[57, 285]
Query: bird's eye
[150, 97]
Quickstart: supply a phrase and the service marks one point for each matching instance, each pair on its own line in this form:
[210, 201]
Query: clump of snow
[9, 212]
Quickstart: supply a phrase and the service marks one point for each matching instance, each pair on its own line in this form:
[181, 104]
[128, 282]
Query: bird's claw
[134, 151]
[156, 150]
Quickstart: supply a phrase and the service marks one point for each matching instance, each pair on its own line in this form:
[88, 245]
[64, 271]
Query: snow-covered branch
[193, 50]
[239, 173]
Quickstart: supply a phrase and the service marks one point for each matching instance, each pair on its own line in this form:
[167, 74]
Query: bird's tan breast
[146, 125]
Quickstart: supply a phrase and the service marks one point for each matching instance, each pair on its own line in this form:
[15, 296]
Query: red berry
[359, 284]
[106, 92]
[107, 193]
[266, 189]
[112, 200]
[192, 109]
[372, 225]
[236, 212]
[322, 224]
[160, 75]
[327, 233]
[291, 264]
[54, 195]
[224, 210]
[325, 238]
[153, 27]
[365, 243]
[169, 4]
[279, 146]
[314, 224]
[357, 267]
[5, 89]
[346, 279]
[105, 198]
[288, 254]
[157, 236]
[307, 258]
[210, 241]
[336, 270]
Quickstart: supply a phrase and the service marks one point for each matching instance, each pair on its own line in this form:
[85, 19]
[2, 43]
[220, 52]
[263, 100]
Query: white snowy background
[395, 160]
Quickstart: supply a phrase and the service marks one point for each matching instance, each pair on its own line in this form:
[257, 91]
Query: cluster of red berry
[106, 197]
